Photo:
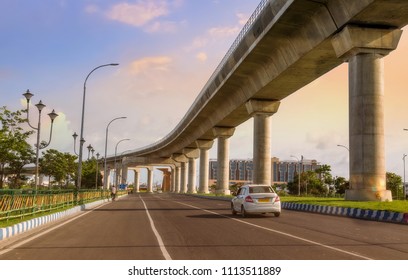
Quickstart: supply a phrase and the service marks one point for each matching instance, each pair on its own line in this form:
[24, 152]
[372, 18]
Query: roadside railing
[16, 204]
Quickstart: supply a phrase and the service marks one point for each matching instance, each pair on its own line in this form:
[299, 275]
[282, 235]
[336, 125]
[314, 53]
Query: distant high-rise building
[281, 171]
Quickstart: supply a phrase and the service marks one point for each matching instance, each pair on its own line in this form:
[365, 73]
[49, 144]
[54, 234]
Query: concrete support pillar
[261, 111]
[192, 169]
[150, 179]
[137, 180]
[108, 178]
[364, 49]
[124, 174]
[204, 146]
[223, 134]
[184, 177]
[166, 179]
[177, 179]
[103, 176]
[173, 179]
[117, 174]
[192, 155]
[181, 172]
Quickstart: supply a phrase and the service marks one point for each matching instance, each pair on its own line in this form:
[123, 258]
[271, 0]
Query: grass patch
[394, 206]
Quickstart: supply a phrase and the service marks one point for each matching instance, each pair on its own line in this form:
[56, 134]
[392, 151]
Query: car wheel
[233, 210]
[277, 214]
[243, 212]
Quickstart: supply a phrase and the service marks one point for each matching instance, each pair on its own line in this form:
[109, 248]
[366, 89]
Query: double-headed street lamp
[105, 171]
[40, 106]
[82, 125]
[90, 150]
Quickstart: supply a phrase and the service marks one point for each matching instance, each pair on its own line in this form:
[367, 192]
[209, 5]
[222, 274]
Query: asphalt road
[169, 226]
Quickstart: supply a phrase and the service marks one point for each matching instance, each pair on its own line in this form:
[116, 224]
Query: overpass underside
[285, 46]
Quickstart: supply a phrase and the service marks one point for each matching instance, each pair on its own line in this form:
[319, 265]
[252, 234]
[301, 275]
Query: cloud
[138, 14]
[242, 18]
[215, 34]
[221, 32]
[202, 56]
[165, 26]
[91, 9]
[147, 64]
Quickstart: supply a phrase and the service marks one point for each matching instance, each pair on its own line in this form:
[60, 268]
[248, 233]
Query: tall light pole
[81, 141]
[298, 173]
[345, 147]
[40, 106]
[97, 162]
[116, 150]
[105, 169]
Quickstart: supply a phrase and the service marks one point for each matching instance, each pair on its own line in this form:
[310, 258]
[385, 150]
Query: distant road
[185, 227]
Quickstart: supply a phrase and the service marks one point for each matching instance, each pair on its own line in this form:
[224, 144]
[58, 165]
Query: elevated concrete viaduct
[285, 45]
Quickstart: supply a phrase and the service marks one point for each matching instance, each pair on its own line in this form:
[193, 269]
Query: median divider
[366, 214]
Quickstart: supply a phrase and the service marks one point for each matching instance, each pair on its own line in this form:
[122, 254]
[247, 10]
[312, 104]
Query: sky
[167, 50]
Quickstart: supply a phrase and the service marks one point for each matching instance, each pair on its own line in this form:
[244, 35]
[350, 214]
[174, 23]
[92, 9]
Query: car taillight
[277, 198]
[249, 199]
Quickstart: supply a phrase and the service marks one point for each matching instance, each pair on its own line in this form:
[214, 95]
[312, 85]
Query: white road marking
[280, 232]
[166, 254]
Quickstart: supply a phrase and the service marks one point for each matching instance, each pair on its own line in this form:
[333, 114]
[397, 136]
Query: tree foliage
[90, 177]
[318, 182]
[15, 152]
[394, 184]
[60, 166]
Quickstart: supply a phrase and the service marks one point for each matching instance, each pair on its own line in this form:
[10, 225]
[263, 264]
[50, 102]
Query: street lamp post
[298, 173]
[97, 162]
[75, 135]
[344, 147]
[40, 106]
[82, 125]
[90, 148]
[105, 176]
[116, 149]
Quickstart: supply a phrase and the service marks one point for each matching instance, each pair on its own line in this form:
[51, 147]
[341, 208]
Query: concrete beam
[265, 107]
[353, 40]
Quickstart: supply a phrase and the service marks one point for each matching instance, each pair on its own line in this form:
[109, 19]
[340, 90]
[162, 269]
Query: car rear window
[260, 189]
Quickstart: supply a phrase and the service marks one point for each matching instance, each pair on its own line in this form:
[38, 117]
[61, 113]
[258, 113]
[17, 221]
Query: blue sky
[167, 49]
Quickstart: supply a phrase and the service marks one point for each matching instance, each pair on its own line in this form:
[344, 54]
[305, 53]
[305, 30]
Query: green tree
[394, 184]
[341, 185]
[325, 175]
[15, 152]
[89, 175]
[60, 166]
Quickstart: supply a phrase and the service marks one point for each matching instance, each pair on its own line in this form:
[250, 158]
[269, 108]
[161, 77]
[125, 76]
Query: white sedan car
[256, 199]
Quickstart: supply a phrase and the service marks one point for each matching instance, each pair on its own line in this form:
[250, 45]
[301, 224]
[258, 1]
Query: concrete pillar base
[203, 192]
[368, 195]
[191, 192]
[225, 192]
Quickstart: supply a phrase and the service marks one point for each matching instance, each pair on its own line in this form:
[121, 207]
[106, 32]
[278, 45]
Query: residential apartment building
[281, 171]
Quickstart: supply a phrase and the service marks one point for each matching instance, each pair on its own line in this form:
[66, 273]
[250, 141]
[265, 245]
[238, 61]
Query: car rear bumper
[262, 207]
